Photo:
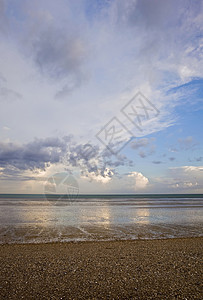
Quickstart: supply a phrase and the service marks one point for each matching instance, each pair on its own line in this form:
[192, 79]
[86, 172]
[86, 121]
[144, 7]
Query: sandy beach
[142, 269]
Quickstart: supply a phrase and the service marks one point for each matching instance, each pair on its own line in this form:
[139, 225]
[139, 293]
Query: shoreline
[25, 234]
[138, 269]
[99, 241]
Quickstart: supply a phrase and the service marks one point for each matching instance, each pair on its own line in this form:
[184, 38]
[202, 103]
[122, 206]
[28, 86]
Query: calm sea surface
[37, 218]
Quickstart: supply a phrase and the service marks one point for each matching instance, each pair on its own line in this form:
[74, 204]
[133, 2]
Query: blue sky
[73, 71]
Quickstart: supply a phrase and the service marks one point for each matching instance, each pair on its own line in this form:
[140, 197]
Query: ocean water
[41, 218]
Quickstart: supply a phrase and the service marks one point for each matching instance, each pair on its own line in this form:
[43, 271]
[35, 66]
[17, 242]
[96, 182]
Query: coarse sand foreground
[141, 269]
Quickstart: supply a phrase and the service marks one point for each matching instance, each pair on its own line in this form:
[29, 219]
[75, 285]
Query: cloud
[187, 169]
[146, 143]
[142, 154]
[59, 49]
[2, 79]
[199, 158]
[3, 19]
[186, 177]
[6, 128]
[7, 94]
[157, 162]
[103, 176]
[11, 173]
[187, 143]
[126, 183]
[60, 55]
[94, 163]
[34, 155]
[140, 180]
[98, 58]
[40, 154]
[139, 143]
[173, 149]
[185, 185]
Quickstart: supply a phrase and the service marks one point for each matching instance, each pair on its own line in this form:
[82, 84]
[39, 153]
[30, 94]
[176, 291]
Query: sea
[43, 218]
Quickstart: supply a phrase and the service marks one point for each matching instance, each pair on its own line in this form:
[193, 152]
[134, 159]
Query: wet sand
[142, 269]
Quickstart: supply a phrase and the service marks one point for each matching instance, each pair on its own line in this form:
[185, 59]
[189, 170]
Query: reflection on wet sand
[38, 221]
[141, 215]
[99, 214]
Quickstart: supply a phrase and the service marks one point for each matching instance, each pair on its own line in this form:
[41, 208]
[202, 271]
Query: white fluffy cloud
[140, 180]
[103, 176]
[185, 179]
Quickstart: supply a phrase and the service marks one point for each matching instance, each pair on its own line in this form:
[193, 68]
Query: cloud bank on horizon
[68, 68]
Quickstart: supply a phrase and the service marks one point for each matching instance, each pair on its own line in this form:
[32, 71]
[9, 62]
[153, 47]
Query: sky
[108, 93]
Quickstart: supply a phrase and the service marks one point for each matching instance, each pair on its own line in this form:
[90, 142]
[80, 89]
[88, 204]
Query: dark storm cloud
[59, 50]
[12, 173]
[41, 153]
[92, 161]
[58, 53]
[35, 155]
[50, 36]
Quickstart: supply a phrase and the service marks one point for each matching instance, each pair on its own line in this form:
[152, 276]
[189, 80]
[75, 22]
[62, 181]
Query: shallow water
[35, 218]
